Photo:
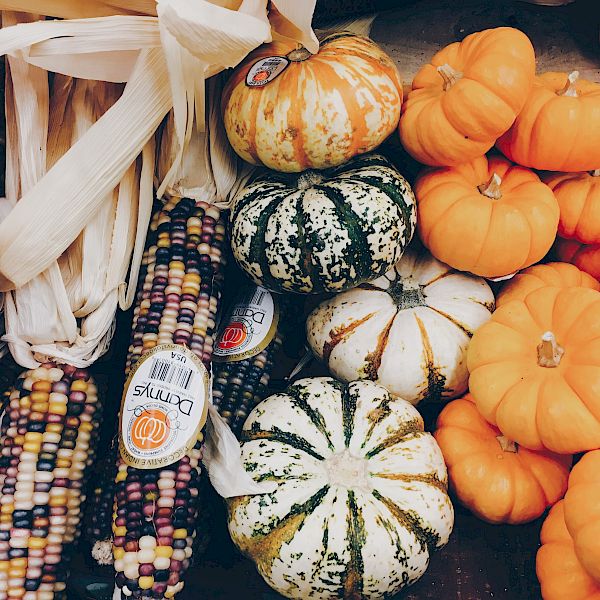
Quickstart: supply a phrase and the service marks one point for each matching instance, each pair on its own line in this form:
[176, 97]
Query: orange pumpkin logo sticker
[261, 76]
[234, 336]
[150, 429]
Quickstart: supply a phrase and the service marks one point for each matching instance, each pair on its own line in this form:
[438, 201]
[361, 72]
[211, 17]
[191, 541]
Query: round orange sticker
[234, 336]
[261, 76]
[150, 429]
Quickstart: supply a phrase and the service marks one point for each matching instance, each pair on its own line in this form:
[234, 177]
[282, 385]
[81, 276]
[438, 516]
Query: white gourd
[408, 330]
[361, 498]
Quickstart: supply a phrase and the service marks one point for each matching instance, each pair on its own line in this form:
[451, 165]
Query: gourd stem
[407, 293]
[570, 88]
[300, 54]
[449, 75]
[492, 189]
[506, 444]
[308, 179]
[595, 173]
[549, 351]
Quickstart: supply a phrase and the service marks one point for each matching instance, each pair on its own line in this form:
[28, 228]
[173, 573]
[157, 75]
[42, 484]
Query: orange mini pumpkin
[558, 274]
[559, 126]
[582, 512]
[560, 573]
[583, 256]
[578, 196]
[467, 97]
[489, 217]
[322, 110]
[498, 480]
[535, 369]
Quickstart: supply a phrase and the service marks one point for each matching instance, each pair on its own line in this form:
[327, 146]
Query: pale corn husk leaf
[359, 26]
[292, 20]
[80, 180]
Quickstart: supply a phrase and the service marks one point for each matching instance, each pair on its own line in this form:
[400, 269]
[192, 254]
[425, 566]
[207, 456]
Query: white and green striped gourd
[323, 230]
[361, 499]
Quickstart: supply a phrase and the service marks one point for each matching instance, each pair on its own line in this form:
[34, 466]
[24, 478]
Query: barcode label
[257, 296]
[171, 373]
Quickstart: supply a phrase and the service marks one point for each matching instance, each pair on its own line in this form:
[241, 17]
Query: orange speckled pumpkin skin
[578, 196]
[448, 127]
[488, 237]
[561, 575]
[582, 512]
[556, 132]
[318, 113]
[583, 256]
[497, 485]
[557, 408]
[557, 274]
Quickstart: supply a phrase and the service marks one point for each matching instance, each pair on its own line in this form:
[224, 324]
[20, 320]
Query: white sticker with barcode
[164, 407]
[265, 70]
[250, 326]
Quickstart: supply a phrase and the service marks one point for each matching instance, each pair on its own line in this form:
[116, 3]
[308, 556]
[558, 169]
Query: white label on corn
[249, 328]
[164, 407]
[265, 70]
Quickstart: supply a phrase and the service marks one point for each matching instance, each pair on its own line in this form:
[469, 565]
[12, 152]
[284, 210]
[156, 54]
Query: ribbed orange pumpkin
[557, 274]
[559, 126]
[578, 196]
[582, 512]
[318, 113]
[467, 97]
[561, 575]
[496, 479]
[585, 257]
[535, 369]
[491, 218]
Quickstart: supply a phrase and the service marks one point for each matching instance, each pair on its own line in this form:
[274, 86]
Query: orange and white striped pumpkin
[322, 110]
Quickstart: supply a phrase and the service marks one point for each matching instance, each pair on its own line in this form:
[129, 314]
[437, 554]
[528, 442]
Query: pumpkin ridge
[452, 320]
[348, 413]
[410, 521]
[339, 334]
[315, 416]
[429, 479]
[265, 547]
[256, 252]
[373, 359]
[439, 277]
[435, 380]
[353, 575]
[376, 416]
[300, 221]
[390, 191]
[283, 437]
[413, 427]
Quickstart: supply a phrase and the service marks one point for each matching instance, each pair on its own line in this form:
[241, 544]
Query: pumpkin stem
[449, 75]
[570, 87]
[506, 444]
[549, 351]
[300, 54]
[308, 179]
[595, 173]
[492, 189]
[407, 293]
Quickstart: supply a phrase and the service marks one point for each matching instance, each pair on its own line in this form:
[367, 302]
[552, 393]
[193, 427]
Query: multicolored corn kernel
[178, 298]
[46, 440]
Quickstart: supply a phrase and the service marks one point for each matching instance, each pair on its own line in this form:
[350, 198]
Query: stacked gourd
[422, 324]
[361, 489]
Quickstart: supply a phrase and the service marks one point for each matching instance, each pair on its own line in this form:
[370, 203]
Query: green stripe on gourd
[323, 230]
[357, 509]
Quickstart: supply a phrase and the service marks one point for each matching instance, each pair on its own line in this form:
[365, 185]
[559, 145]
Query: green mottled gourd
[361, 499]
[408, 330]
[323, 230]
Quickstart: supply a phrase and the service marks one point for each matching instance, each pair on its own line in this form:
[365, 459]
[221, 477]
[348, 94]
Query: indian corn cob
[239, 386]
[178, 299]
[45, 438]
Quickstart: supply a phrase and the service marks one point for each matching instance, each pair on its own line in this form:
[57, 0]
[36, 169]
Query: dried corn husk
[208, 33]
[81, 9]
